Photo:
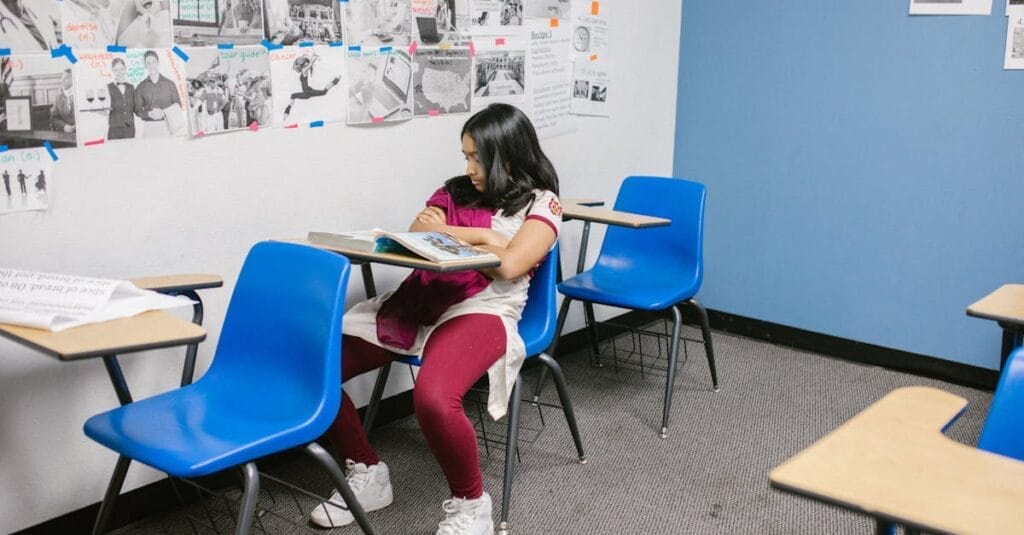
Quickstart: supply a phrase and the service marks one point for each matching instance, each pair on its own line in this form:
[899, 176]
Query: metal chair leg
[113, 491]
[189, 367]
[559, 323]
[512, 438]
[563, 396]
[673, 354]
[252, 494]
[338, 478]
[588, 315]
[705, 329]
[378, 393]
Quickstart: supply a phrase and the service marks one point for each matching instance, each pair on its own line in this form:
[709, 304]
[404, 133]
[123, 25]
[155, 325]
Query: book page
[437, 246]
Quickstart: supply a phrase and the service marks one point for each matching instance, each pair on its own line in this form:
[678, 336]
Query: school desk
[891, 461]
[591, 211]
[1006, 307]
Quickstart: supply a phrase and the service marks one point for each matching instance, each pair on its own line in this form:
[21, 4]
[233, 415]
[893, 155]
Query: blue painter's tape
[385, 49]
[271, 46]
[64, 50]
[342, 1]
[335, 43]
[355, 48]
[316, 124]
[49, 148]
[115, 48]
[3, 148]
[181, 54]
[305, 44]
[71, 56]
[56, 52]
[5, 51]
[225, 46]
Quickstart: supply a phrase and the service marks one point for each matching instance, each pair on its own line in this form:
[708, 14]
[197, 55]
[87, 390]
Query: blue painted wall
[864, 167]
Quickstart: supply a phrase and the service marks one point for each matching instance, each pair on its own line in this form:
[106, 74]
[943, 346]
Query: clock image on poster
[581, 39]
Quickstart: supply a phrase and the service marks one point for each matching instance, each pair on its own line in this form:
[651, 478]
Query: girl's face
[477, 174]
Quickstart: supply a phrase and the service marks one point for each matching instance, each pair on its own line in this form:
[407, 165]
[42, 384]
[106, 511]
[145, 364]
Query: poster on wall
[378, 23]
[94, 24]
[439, 21]
[26, 180]
[442, 81]
[551, 77]
[380, 86]
[547, 9]
[500, 73]
[228, 89]
[308, 85]
[1014, 8]
[293, 21]
[950, 7]
[591, 54]
[127, 95]
[30, 25]
[496, 17]
[212, 22]
[37, 101]
[1014, 58]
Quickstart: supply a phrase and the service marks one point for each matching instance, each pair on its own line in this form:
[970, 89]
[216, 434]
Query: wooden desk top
[401, 260]
[892, 461]
[611, 217]
[149, 330]
[170, 283]
[1005, 305]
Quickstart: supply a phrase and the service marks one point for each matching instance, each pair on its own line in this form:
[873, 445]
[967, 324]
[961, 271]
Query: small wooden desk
[1006, 307]
[589, 211]
[891, 461]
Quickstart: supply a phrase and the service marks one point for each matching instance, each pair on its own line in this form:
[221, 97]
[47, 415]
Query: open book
[56, 302]
[436, 246]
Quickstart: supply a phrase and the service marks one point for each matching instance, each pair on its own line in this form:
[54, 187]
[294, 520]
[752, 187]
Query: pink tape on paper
[254, 126]
[293, 125]
[434, 113]
[94, 142]
[499, 41]
[376, 120]
[472, 49]
[200, 133]
[413, 47]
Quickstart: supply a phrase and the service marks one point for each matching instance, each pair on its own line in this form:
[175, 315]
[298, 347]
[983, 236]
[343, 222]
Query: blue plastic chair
[272, 386]
[651, 269]
[1003, 432]
[537, 328]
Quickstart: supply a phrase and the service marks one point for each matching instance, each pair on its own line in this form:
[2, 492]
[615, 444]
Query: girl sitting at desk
[463, 324]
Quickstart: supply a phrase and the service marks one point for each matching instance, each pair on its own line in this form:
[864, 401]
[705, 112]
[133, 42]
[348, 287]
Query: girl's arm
[433, 218]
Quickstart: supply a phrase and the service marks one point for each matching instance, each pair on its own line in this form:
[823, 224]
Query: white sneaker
[467, 517]
[372, 487]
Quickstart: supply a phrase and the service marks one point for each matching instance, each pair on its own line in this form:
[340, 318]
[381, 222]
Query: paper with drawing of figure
[547, 9]
[128, 95]
[228, 89]
[500, 74]
[30, 26]
[442, 82]
[211, 22]
[37, 101]
[94, 24]
[309, 85]
[496, 17]
[380, 86]
[293, 21]
[26, 180]
[950, 7]
[372, 23]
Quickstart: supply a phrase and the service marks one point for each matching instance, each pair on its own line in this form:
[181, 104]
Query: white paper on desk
[57, 302]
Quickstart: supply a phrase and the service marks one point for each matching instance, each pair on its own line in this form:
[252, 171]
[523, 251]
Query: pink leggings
[456, 355]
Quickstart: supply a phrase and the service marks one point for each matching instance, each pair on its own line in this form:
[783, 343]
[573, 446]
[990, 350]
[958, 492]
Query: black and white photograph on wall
[439, 22]
[293, 21]
[375, 23]
[309, 85]
[500, 73]
[591, 80]
[30, 25]
[228, 89]
[442, 81]
[547, 9]
[496, 17]
[212, 22]
[128, 95]
[950, 7]
[580, 89]
[94, 24]
[380, 86]
[37, 101]
[26, 180]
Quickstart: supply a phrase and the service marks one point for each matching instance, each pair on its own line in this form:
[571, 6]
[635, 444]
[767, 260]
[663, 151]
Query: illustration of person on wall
[157, 100]
[462, 324]
[239, 15]
[21, 181]
[150, 26]
[7, 182]
[304, 66]
[41, 182]
[121, 118]
[25, 29]
[62, 114]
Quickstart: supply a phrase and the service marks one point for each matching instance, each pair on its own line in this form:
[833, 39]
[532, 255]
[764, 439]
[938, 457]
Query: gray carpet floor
[708, 476]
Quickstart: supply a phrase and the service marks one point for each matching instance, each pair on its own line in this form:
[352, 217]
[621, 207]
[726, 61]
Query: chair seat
[196, 431]
[648, 289]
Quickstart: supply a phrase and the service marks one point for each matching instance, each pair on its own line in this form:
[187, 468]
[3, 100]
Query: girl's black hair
[508, 150]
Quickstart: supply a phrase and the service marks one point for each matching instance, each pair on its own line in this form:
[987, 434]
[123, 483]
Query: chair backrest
[280, 346]
[679, 245]
[537, 324]
[1003, 432]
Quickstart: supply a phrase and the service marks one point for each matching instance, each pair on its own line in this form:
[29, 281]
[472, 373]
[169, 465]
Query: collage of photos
[442, 81]
[294, 21]
[130, 23]
[37, 102]
[228, 89]
[212, 22]
[27, 179]
[496, 17]
[376, 23]
[306, 84]
[30, 26]
[380, 86]
[439, 21]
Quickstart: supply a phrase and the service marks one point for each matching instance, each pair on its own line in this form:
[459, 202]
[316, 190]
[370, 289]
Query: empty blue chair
[272, 385]
[651, 269]
[537, 328]
[1003, 432]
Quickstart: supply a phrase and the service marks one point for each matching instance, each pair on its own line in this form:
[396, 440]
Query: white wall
[175, 206]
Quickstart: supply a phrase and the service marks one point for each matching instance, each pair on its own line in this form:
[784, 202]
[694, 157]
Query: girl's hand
[432, 215]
